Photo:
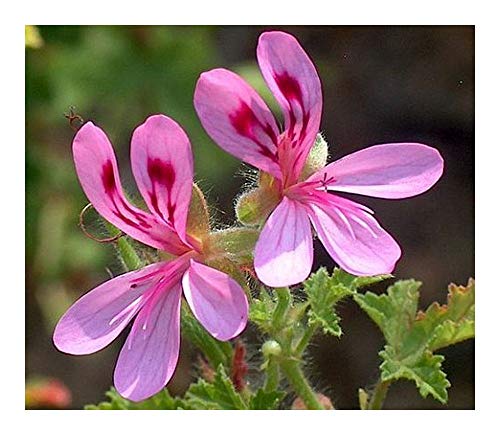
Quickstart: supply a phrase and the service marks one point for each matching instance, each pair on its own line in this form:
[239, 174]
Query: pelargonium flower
[239, 121]
[162, 165]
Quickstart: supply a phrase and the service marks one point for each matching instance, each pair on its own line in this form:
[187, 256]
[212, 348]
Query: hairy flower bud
[317, 157]
[271, 348]
[253, 207]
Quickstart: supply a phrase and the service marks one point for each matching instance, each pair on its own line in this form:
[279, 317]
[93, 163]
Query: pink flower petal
[98, 174]
[353, 238]
[216, 300]
[148, 358]
[98, 317]
[162, 163]
[237, 119]
[293, 79]
[284, 252]
[397, 170]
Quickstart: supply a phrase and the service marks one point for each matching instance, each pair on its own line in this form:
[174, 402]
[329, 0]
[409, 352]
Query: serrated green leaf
[451, 323]
[262, 309]
[266, 399]
[219, 394]
[323, 292]
[353, 282]
[392, 312]
[162, 400]
[425, 372]
[411, 337]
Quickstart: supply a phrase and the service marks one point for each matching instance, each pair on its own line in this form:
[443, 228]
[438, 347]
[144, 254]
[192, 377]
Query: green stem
[283, 304]
[304, 341]
[272, 376]
[379, 394]
[298, 381]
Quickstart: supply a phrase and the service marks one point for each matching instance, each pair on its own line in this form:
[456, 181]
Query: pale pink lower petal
[293, 79]
[162, 163]
[97, 318]
[397, 170]
[216, 300]
[97, 171]
[148, 358]
[284, 253]
[354, 239]
[237, 119]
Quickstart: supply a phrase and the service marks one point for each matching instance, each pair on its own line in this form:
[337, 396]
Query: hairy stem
[298, 381]
[272, 376]
[283, 304]
[304, 341]
[379, 394]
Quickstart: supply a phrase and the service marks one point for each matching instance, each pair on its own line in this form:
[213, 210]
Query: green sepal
[198, 220]
[317, 158]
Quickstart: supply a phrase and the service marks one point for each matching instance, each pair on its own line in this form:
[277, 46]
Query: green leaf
[266, 399]
[325, 291]
[425, 372]
[220, 394]
[261, 310]
[217, 352]
[392, 312]
[413, 337]
[453, 322]
[161, 400]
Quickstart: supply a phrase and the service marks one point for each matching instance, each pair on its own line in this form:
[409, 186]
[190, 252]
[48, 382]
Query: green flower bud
[253, 207]
[271, 348]
[236, 244]
[317, 157]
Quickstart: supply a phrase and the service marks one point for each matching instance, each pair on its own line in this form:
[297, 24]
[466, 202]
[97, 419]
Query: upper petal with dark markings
[292, 77]
[237, 119]
[162, 163]
[97, 171]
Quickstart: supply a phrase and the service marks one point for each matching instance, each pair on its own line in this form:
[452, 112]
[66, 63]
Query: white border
[253, 12]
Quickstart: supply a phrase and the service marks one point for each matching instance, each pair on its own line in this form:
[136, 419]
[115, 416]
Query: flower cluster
[239, 121]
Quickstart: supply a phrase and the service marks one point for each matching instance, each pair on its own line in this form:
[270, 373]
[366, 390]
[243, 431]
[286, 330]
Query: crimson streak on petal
[245, 123]
[162, 173]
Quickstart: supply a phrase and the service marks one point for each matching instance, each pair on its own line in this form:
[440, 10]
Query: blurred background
[380, 84]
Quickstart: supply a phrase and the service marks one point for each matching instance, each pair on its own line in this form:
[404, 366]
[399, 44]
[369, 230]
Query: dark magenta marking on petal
[110, 188]
[289, 86]
[162, 173]
[108, 178]
[245, 122]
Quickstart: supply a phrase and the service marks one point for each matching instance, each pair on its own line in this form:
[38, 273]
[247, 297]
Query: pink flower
[162, 165]
[237, 118]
